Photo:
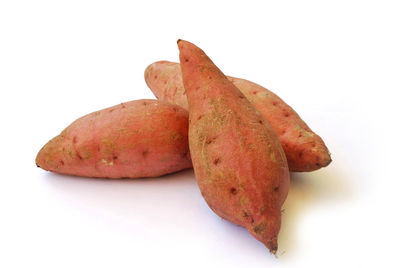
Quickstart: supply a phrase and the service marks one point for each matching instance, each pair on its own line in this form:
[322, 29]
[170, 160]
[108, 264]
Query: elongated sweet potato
[238, 160]
[142, 138]
[304, 150]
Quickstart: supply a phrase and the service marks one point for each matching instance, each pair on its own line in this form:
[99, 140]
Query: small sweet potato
[142, 138]
[304, 150]
[238, 161]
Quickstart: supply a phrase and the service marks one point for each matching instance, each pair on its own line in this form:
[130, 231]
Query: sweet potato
[304, 150]
[238, 161]
[142, 138]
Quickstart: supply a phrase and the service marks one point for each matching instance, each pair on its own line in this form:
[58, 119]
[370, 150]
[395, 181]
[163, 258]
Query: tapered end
[272, 245]
[266, 230]
[181, 43]
[40, 159]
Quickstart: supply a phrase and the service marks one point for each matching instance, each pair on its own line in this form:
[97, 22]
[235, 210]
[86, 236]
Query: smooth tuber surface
[304, 150]
[141, 138]
[239, 163]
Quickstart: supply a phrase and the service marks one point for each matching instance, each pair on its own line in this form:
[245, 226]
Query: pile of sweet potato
[241, 139]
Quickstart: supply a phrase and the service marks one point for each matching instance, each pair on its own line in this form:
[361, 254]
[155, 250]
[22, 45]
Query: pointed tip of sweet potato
[272, 245]
[267, 229]
[46, 155]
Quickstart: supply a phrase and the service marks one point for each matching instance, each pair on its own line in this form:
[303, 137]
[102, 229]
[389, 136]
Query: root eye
[233, 190]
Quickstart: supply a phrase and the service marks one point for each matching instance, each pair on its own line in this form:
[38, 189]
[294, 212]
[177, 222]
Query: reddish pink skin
[142, 138]
[239, 163]
[304, 150]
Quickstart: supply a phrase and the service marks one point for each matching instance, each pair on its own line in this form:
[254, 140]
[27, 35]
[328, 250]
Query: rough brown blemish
[123, 105]
[300, 154]
[211, 140]
[175, 109]
[216, 161]
[283, 132]
[300, 135]
[145, 103]
[199, 117]
[274, 103]
[259, 228]
[273, 248]
[313, 144]
[318, 164]
[241, 97]
[254, 92]
[111, 110]
[145, 153]
[276, 189]
[115, 157]
[186, 60]
[251, 220]
[260, 121]
[210, 77]
[79, 156]
[286, 114]
[245, 214]
[233, 190]
[61, 163]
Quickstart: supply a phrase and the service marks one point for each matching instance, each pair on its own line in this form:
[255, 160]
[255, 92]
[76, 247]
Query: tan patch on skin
[243, 201]
[106, 162]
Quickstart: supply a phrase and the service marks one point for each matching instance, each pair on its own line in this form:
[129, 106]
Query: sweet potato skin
[142, 138]
[304, 150]
[238, 161]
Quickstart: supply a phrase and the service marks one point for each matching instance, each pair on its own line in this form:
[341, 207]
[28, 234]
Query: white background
[337, 63]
